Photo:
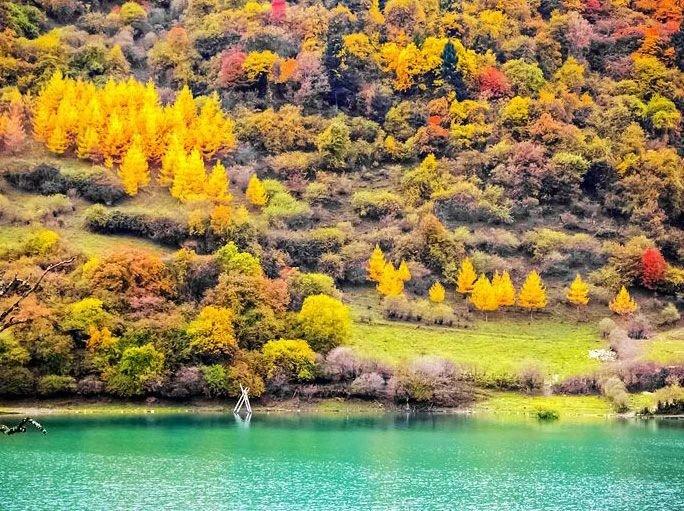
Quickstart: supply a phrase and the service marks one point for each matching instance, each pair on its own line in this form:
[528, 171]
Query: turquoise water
[429, 462]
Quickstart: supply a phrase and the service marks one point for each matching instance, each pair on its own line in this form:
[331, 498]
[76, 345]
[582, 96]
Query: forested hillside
[231, 190]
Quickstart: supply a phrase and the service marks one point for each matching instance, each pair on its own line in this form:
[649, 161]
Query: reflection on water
[304, 461]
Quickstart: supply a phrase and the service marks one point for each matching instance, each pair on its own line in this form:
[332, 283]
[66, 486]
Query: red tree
[653, 267]
[493, 83]
[231, 66]
[278, 10]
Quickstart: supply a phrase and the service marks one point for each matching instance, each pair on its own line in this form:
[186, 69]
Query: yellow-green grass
[568, 407]
[494, 347]
[667, 347]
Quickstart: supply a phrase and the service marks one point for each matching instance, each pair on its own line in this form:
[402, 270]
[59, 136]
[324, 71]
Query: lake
[181, 462]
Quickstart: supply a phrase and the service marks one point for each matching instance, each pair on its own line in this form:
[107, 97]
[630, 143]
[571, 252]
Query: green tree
[450, 72]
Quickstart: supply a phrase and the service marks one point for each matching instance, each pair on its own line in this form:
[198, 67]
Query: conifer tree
[376, 264]
[13, 134]
[578, 292]
[404, 272]
[88, 143]
[256, 193]
[195, 177]
[174, 158]
[436, 293]
[623, 304]
[505, 291]
[450, 72]
[532, 294]
[216, 186]
[390, 283]
[58, 141]
[466, 277]
[483, 296]
[115, 140]
[134, 172]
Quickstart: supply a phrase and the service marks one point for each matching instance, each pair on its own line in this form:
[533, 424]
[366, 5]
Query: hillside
[364, 199]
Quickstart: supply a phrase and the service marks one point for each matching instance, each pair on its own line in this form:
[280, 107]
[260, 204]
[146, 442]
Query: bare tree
[23, 289]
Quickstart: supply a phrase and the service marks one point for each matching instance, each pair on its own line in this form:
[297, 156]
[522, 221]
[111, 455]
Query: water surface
[212, 462]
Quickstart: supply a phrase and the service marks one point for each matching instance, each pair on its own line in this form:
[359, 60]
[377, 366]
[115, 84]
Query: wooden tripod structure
[243, 401]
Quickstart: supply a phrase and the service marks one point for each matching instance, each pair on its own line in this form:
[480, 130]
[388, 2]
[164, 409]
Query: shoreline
[332, 407]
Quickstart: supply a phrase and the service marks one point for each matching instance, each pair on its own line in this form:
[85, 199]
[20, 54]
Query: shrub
[291, 359]
[368, 386]
[606, 326]
[466, 202]
[669, 315]
[168, 231]
[531, 377]
[668, 400]
[11, 352]
[138, 366]
[231, 260]
[186, 382]
[211, 333]
[324, 322]
[375, 204]
[397, 307]
[547, 414]
[55, 385]
[84, 314]
[432, 381]
[578, 385]
[132, 12]
[294, 164]
[614, 389]
[40, 242]
[303, 285]
[341, 364]
[639, 327]
[643, 376]
[100, 186]
[244, 372]
[90, 386]
[16, 382]
[216, 380]
[282, 206]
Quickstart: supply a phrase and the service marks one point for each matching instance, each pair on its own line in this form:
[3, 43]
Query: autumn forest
[422, 202]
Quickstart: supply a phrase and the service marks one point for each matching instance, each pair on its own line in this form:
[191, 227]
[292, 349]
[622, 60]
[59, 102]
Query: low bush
[100, 187]
[639, 328]
[90, 386]
[643, 376]
[668, 401]
[547, 414]
[368, 386]
[375, 204]
[303, 285]
[531, 377]
[56, 385]
[430, 381]
[306, 248]
[606, 326]
[186, 382]
[614, 389]
[289, 359]
[341, 364]
[578, 386]
[16, 382]
[168, 231]
[669, 315]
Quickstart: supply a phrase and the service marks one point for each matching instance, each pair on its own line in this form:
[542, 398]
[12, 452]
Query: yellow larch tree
[88, 144]
[466, 277]
[174, 158]
[220, 219]
[578, 292]
[483, 295]
[134, 171]
[376, 264]
[390, 283]
[532, 294]
[505, 290]
[623, 304]
[436, 293]
[403, 271]
[57, 141]
[255, 192]
[216, 185]
[188, 182]
[114, 142]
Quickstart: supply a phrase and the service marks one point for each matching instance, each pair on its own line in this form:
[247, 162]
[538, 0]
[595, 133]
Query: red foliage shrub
[653, 267]
[493, 83]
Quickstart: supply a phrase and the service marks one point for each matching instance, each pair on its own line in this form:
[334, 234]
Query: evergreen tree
[450, 72]
[505, 291]
[390, 283]
[404, 272]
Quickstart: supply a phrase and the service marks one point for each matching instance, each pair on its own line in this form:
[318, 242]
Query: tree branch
[6, 323]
